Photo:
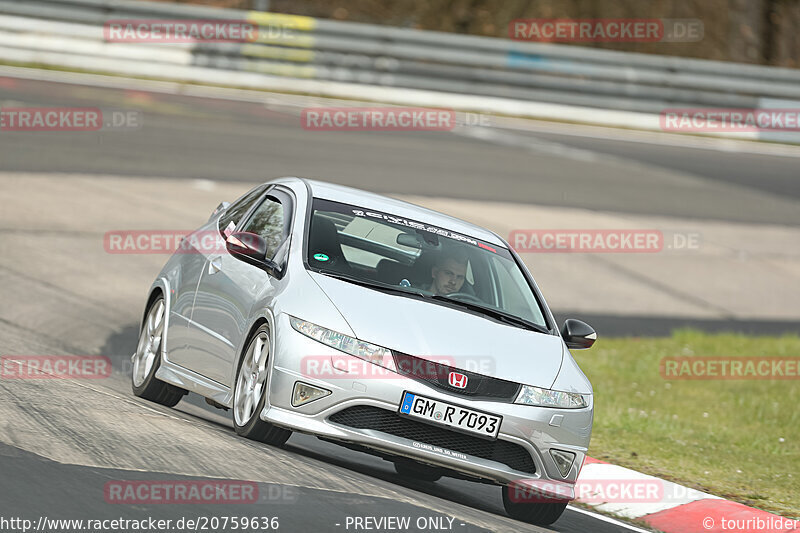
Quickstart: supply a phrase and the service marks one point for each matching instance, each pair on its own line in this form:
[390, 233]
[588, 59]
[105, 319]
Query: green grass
[736, 439]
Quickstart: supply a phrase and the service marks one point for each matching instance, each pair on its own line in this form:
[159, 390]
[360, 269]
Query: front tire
[540, 514]
[250, 392]
[147, 359]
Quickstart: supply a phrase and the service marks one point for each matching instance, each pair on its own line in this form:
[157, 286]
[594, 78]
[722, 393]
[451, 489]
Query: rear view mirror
[409, 239]
[577, 334]
[419, 240]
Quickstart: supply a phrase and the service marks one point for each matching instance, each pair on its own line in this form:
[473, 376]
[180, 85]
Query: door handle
[214, 265]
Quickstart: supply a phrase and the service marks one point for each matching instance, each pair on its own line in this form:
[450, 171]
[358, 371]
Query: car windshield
[379, 249]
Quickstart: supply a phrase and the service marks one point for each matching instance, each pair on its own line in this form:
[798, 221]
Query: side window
[235, 212]
[268, 222]
[517, 296]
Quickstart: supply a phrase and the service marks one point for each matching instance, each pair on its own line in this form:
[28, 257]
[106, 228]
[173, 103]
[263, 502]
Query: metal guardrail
[398, 57]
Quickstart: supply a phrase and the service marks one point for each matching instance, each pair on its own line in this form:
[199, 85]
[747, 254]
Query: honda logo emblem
[457, 380]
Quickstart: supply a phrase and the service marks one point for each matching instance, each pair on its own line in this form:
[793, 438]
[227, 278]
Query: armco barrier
[70, 33]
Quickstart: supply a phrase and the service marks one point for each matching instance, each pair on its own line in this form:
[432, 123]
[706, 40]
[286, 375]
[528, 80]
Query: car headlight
[345, 343]
[551, 398]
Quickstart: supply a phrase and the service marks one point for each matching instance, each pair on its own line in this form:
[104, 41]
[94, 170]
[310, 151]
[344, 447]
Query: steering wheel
[466, 297]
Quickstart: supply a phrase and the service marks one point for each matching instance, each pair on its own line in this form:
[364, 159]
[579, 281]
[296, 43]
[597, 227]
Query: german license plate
[447, 414]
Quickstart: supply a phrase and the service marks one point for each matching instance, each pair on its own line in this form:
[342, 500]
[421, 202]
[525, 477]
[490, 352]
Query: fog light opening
[304, 393]
[563, 461]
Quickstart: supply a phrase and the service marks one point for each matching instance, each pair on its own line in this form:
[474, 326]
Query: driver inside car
[448, 273]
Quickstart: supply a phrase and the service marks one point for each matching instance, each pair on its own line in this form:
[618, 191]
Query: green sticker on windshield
[321, 257]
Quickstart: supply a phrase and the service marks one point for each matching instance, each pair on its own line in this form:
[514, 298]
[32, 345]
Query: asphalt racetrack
[63, 293]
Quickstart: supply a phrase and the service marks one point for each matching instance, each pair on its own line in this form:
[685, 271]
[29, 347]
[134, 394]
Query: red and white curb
[667, 506]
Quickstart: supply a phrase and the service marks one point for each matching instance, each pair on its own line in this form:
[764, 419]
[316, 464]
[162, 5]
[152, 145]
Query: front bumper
[535, 430]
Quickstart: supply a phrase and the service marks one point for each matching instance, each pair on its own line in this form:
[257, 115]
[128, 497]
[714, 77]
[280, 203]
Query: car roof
[378, 202]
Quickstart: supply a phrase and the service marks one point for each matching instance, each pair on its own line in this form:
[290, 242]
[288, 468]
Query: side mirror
[577, 334]
[221, 207]
[252, 249]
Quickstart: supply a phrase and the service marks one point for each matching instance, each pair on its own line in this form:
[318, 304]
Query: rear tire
[540, 514]
[147, 360]
[250, 392]
[414, 470]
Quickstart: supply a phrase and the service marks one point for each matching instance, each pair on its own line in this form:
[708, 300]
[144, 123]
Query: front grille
[479, 387]
[375, 418]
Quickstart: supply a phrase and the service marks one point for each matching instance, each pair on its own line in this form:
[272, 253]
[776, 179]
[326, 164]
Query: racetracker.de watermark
[181, 492]
[729, 368]
[710, 120]
[377, 119]
[162, 242]
[169, 241]
[67, 119]
[630, 241]
[591, 491]
[54, 367]
[599, 490]
[606, 30]
[192, 31]
[343, 366]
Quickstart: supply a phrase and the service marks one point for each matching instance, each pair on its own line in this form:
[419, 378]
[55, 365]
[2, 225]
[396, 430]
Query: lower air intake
[377, 419]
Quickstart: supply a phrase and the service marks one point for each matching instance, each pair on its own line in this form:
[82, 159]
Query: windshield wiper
[394, 289]
[494, 313]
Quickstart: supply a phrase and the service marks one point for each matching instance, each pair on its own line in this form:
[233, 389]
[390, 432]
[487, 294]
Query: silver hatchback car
[375, 324]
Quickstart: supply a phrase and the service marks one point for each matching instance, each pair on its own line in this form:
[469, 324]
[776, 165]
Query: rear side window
[233, 215]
